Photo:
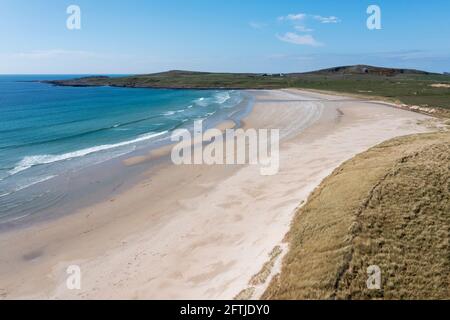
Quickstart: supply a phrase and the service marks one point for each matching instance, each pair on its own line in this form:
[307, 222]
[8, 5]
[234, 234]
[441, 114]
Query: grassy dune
[390, 207]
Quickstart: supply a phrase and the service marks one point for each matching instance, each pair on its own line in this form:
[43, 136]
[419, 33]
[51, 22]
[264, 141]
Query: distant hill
[371, 70]
[188, 79]
[413, 87]
[342, 70]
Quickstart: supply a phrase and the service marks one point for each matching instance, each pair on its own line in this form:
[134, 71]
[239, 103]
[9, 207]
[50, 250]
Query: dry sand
[198, 232]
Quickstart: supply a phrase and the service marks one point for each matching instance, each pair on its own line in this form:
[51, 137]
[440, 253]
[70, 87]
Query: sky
[145, 36]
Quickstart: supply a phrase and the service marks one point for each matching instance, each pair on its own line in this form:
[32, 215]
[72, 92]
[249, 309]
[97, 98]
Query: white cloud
[293, 17]
[330, 19]
[306, 40]
[303, 29]
[302, 16]
[299, 22]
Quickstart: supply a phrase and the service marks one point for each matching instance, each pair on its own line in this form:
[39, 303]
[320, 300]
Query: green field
[407, 86]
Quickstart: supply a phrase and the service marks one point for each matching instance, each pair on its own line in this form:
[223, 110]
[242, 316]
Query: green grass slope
[390, 207]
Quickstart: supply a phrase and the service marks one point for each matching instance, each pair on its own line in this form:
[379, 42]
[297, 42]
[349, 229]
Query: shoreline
[156, 88]
[198, 232]
[94, 182]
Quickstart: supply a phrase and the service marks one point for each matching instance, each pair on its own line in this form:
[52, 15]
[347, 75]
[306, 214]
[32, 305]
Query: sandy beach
[199, 232]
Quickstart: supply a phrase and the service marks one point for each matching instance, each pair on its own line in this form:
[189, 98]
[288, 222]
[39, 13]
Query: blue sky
[138, 36]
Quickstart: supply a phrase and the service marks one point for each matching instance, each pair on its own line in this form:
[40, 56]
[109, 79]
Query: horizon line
[225, 72]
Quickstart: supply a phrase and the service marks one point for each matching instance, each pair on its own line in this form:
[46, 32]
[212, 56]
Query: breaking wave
[31, 161]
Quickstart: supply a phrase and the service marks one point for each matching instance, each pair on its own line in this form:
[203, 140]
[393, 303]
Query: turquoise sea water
[46, 131]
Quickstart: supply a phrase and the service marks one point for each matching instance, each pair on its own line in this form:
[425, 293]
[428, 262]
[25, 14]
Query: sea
[51, 136]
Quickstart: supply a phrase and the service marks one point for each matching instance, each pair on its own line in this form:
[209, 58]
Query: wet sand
[198, 232]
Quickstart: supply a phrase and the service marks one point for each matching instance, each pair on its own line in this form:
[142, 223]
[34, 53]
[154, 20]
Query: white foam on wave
[30, 161]
[218, 98]
[222, 97]
[14, 219]
[202, 102]
[171, 113]
[27, 185]
[32, 183]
